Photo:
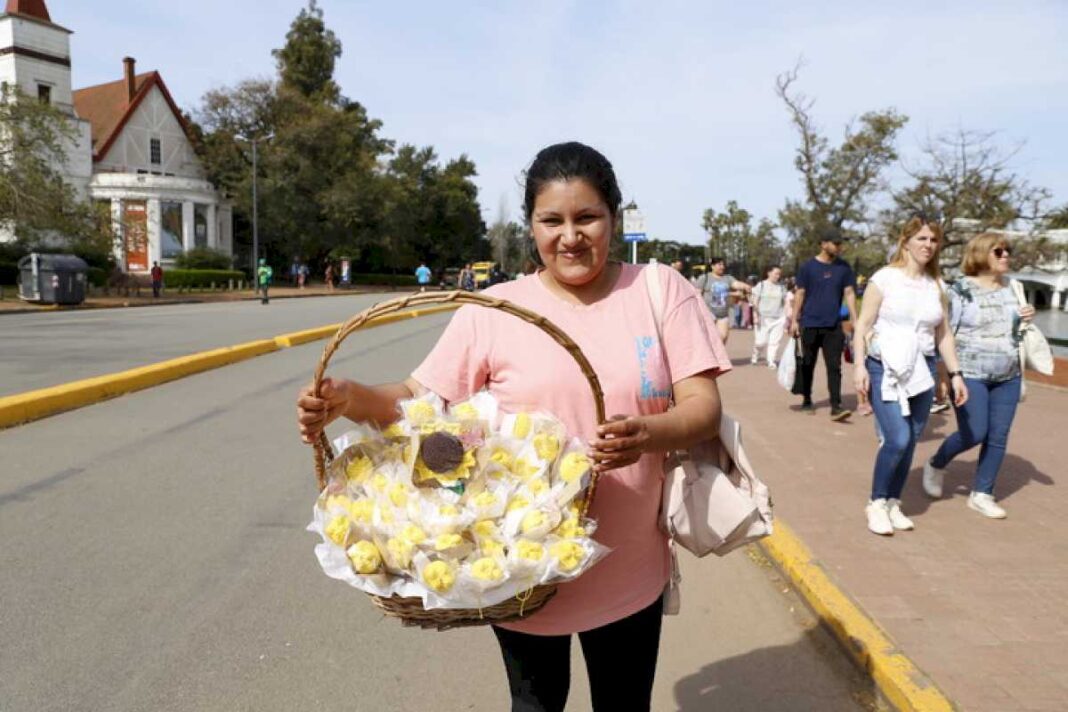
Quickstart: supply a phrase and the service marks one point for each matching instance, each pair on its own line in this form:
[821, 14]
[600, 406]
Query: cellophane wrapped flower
[459, 506]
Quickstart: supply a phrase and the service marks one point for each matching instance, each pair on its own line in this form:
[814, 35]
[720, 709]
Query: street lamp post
[255, 205]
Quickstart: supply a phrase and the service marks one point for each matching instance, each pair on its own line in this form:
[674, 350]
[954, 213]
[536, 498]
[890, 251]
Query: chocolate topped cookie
[442, 452]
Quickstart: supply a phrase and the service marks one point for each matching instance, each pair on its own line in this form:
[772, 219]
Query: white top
[769, 299]
[913, 303]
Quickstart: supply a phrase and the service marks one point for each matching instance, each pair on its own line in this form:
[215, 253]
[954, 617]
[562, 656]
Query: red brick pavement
[978, 604]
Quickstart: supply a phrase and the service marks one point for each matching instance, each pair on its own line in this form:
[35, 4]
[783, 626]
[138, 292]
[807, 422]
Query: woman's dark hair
[569, 161]
[715, 261]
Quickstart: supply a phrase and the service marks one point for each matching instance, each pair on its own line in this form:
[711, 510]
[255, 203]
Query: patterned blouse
[986, 325]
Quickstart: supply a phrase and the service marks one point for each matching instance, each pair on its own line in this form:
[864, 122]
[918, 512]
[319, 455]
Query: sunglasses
[1000, 252]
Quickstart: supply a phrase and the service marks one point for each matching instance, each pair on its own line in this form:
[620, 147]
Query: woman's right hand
[861, 382]
[314, 414]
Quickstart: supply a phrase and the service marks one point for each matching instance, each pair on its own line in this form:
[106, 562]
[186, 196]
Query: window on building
[200, 225]
[155, 151]
[170, 229]
[44, 93]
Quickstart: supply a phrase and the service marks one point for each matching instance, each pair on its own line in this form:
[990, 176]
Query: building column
[188, 231]
[213, 227]
[155, 231]
[120, 232]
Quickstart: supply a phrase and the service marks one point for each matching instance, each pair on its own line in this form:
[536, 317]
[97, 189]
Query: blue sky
[679, 95]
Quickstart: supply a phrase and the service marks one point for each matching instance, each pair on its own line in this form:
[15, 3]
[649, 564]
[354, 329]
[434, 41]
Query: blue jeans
[986, 418]
[899, 433]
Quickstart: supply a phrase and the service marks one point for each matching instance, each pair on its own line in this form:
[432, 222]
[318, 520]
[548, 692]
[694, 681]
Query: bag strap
[1018, 290]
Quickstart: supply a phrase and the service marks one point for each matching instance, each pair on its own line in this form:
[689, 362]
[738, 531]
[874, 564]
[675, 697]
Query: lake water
[1054, 324]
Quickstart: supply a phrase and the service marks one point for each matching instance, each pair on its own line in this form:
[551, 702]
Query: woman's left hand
[1027, 312]
[960, 391]
[620, 442]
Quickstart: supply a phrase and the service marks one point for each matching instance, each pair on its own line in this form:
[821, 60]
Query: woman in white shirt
[905, 314]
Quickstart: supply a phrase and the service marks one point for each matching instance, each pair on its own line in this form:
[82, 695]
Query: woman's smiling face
[572, 227]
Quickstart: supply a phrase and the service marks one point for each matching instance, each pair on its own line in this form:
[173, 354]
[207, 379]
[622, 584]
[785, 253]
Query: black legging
[620, 661]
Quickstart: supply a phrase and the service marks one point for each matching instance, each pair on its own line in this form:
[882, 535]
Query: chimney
[129, 63]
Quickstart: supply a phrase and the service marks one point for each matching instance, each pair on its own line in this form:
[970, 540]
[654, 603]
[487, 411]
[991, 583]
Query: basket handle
[323, 451]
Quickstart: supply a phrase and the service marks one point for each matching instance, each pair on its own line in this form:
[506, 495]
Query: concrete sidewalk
[977, 604]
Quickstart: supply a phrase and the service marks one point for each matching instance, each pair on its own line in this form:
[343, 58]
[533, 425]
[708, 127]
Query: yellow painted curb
[34, 405]
[903, 684]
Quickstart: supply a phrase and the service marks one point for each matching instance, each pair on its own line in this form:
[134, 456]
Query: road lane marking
[41, 403]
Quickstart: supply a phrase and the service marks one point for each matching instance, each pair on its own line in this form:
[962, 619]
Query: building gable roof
[106, 108]
[28, 8]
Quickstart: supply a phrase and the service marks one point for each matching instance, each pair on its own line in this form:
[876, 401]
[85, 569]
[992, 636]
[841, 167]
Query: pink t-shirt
[526, 370]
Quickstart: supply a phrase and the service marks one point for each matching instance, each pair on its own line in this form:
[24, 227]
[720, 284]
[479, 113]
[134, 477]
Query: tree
[508, 239]
[965, 178]
[732, 237]
[838, 181]
[36, 203]
[306, 62]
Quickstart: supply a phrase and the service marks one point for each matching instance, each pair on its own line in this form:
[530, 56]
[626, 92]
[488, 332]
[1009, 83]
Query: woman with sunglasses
[986, 318]
[902, 322]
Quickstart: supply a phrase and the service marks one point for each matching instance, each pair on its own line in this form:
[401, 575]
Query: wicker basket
[410, 610]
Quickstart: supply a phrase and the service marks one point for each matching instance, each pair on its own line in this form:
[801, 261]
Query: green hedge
[200, 278]
[389, 280]
[9, 273]
[97, 277]
[201, 258]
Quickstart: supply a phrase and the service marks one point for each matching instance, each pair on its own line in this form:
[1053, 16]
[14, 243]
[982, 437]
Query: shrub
[97, 277]
[200, 258]
[389, 280]
[200, 278]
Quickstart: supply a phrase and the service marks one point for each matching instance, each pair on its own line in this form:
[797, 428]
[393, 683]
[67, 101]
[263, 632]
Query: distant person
[716, 287]
[294, 270]
[906, 315]
[679, 266]
[823, 282]
[157, 280]
[328, 276]
[422, 275]
[769, 316]
[467, 278]
[745, 303]
[302, 275]
[264, 276]
[986, 317]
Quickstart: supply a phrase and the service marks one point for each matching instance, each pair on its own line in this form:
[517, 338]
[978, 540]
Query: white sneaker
[754, 360]
[933, 477]
[897, 518]
[879, 518]
[984, 504]
[773, 366]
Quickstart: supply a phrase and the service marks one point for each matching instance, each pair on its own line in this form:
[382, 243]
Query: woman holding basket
[572, 202]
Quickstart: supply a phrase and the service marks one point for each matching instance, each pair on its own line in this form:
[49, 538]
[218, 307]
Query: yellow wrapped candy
[522, 426]
[395, 432]
[362, 511]
[448, 510]
[487, 569]
[530, 550]
[518, 502]
[398, 494]
[547, 446]
[385, 515]
[339, 501]
[440, 426]
[573, 466]
[337, 529]
[439, 576]
[502, 457]
[359, 470]
[534, 520]
[466, 411]
[400, 551]
[419, 412]
[379, 482]
[568, 554]
[537, 486]
[491, 546]
[365, 557]
[485, 498]
[413, 533]
[462, 471]
[523, 469]
[570, 529]
[447, 541]
[485, 527]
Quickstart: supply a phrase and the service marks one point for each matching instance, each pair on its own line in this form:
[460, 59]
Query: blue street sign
[634, 237]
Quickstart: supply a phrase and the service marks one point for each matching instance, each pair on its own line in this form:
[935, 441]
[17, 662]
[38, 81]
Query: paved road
[49, 348]
[154, 558]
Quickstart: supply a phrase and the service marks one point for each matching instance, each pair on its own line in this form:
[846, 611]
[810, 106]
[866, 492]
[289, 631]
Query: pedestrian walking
[264, 277]
[302, 275]
[716, 287]
[422, 275]
[328, 276]
[294, 270]
[986, 318]
[769, 316]
[903, 321]
[467, 278]
[822, 284]
[157, 280]
[572, 202]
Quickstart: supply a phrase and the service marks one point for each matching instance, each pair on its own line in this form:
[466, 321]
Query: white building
[132, 148]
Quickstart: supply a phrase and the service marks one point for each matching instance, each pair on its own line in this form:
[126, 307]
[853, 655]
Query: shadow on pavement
[775, 679]
[1016, 473]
